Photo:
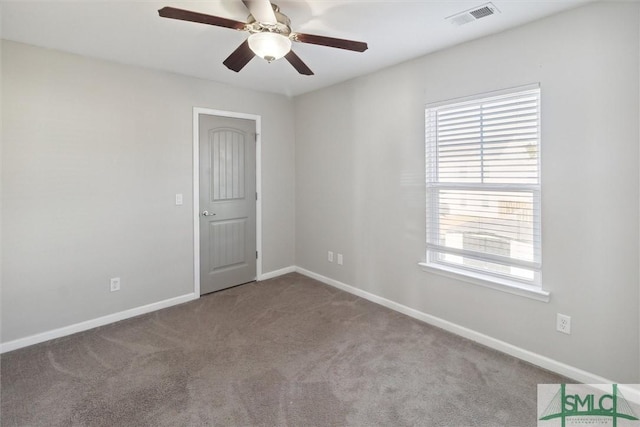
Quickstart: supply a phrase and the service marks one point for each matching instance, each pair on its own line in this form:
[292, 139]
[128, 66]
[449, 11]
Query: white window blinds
[483, 186]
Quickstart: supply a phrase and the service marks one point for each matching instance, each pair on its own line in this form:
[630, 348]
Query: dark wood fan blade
[330, 41]
[297, 63]
[261, 10]
[240, 57]
[187, 15]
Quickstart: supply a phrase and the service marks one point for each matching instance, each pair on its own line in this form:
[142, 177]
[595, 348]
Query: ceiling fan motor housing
[283, 26]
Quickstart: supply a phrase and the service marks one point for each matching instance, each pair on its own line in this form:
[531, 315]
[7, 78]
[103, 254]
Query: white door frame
[197, 112]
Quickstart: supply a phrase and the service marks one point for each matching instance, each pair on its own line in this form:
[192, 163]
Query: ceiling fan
[270, 35]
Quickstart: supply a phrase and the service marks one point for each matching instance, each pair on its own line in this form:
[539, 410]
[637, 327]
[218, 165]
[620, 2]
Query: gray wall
[93, 154]
[360, 184]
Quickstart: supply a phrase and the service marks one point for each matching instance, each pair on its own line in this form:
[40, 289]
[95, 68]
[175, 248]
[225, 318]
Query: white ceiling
[131, 32]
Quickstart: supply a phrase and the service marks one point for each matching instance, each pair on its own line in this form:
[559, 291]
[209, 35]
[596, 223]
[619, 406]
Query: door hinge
[256, 254]
[256, 195]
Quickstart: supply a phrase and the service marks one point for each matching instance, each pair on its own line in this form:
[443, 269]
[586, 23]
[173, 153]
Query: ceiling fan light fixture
[269, 46]
[270, 35]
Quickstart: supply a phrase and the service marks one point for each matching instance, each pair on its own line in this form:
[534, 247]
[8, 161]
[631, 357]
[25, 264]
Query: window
[483, 187]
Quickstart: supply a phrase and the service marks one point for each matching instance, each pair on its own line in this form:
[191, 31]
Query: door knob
[206, 213]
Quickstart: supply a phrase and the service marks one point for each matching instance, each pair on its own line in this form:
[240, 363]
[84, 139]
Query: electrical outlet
[563, 323]
[340, 259]
[330, 256]
[115, 284]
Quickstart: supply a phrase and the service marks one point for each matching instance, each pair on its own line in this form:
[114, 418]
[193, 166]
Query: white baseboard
[115, 317]
[631, 393]
[93, 323]
[276, 273]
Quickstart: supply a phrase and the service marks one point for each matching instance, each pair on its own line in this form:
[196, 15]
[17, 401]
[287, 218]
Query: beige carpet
[284, 352]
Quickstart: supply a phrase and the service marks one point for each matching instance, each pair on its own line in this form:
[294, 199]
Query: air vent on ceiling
[473, 14]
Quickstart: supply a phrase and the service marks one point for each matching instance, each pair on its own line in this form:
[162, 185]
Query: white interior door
[227, 202]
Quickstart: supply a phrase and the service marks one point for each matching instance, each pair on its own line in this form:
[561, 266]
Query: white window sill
[504, 286]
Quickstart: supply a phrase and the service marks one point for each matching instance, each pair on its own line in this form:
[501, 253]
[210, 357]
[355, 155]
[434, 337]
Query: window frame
[528, 288]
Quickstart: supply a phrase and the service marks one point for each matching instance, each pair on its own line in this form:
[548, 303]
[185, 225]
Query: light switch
[178, 199]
